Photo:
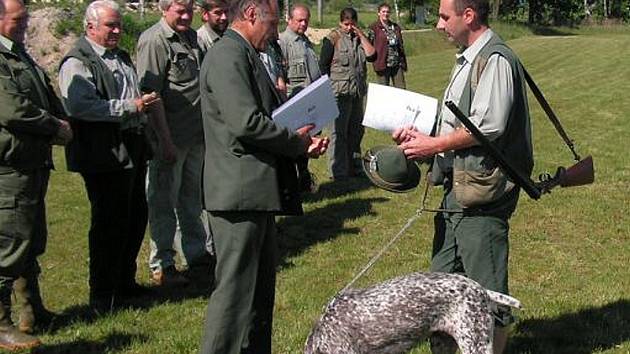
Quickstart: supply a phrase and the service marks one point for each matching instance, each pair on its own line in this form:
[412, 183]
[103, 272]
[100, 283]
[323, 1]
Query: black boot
[10, 338]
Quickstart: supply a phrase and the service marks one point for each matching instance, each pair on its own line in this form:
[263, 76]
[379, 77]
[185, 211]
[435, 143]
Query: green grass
[569, 251]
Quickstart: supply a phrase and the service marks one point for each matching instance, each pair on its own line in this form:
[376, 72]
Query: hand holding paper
[314, 105]
[389, 108]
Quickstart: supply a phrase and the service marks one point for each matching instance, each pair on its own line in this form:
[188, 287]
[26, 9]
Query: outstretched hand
[315, 146]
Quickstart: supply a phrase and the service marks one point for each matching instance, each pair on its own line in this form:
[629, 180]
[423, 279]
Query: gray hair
[165, 4]
[92, 13]
[238, 7]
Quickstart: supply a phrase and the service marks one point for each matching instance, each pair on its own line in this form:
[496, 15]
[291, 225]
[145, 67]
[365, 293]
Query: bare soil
[41, 42]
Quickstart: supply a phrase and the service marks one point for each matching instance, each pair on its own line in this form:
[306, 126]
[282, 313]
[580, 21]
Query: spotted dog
[394, 316]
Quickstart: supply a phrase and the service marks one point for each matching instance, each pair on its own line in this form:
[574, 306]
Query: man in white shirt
[487, 84]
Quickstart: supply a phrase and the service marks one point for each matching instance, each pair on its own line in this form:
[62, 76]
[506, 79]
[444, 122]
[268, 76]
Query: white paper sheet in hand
[389, 108]
[315, 104]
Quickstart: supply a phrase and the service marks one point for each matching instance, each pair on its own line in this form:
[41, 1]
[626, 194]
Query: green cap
[388, 168]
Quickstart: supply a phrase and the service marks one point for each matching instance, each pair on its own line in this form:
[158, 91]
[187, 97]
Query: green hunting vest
[476, 178]
[97, 146]
[348, 69]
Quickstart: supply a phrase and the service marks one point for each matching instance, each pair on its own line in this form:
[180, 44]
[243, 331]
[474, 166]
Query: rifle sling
[552, 116]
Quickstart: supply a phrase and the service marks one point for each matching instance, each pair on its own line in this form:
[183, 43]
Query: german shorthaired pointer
[394, 316]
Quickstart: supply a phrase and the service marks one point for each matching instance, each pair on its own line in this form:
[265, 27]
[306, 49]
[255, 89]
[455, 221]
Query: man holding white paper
[487, 84]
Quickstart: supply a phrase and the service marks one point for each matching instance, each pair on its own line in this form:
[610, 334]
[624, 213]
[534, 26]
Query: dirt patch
[41, 43]
[317, 34]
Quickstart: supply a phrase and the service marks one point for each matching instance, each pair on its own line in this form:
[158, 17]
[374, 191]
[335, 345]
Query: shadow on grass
[200, 287]
[298, 233]
[583, 332]
[113, 342]
[334, 189]
[550, 31]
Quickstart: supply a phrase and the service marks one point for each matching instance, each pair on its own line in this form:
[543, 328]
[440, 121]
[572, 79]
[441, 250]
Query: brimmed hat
[388, 168]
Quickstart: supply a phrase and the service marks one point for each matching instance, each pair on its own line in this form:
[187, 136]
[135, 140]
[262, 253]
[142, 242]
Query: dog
[395, 316]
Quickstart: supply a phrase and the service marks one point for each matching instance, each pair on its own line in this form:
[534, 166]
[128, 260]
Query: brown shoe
[168, 277]
[29, 319]
[11, 339]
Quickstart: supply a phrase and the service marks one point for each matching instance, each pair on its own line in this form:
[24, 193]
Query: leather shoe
[29, 320]
[168, 277]
[13, 340]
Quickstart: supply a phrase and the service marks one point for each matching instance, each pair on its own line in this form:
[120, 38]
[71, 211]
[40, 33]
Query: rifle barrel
[522, 181]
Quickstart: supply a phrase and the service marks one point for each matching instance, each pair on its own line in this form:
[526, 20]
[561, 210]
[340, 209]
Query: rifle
[579, 174]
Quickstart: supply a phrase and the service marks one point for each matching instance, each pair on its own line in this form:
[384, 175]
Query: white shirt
[492, 102]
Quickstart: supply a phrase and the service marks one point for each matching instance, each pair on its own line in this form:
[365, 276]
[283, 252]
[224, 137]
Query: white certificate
[315, 104]
[389, 108]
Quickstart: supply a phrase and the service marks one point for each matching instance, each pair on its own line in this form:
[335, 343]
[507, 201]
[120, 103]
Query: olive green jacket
[28, 113]
[248, 160]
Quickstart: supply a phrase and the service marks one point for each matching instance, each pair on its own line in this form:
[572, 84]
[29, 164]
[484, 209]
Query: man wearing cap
[488, 85]
[215, 22]
[168, 63]
[30, 122]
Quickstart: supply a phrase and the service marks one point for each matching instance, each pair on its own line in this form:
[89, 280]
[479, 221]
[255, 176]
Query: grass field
[570, 251]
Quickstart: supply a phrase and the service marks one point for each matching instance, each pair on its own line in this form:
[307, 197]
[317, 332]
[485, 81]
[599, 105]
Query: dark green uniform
[249, 177]
[28, 123]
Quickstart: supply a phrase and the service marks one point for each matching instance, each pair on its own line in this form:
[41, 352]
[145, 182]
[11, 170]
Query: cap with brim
[388, 168]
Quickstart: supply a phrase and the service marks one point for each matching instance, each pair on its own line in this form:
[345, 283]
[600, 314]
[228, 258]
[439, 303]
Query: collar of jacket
[188, 35]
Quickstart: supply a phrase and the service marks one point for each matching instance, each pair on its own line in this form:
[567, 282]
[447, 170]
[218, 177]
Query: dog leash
[411, 220]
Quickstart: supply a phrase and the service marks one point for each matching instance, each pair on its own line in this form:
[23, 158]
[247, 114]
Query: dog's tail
[503, 299]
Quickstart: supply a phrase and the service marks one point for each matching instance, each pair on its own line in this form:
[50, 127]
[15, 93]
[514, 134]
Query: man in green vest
[487, 83]
[343, 57]
[30, 121]
[100, 92]
[249, 177]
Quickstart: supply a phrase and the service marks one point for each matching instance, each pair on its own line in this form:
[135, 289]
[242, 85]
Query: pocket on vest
[474, 188]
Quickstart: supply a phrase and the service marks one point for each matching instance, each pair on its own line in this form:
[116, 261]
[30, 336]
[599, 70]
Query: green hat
[388, 168]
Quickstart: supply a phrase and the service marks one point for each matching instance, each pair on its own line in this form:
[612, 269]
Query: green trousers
[475, 243]
[23, 230]
[240, 309]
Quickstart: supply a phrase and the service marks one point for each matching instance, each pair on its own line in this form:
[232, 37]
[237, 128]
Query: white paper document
[389, 108]
[315, 104]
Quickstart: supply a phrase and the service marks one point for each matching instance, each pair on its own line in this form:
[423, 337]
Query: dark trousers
[346, 136]
[137, 210]
[395, 75]
[119, 218]
[240, 309]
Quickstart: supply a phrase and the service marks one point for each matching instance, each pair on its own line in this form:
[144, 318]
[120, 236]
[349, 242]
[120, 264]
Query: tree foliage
[563, 12]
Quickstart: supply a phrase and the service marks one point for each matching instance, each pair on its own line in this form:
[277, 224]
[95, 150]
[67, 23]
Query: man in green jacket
[29, 123]
[249, 177]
